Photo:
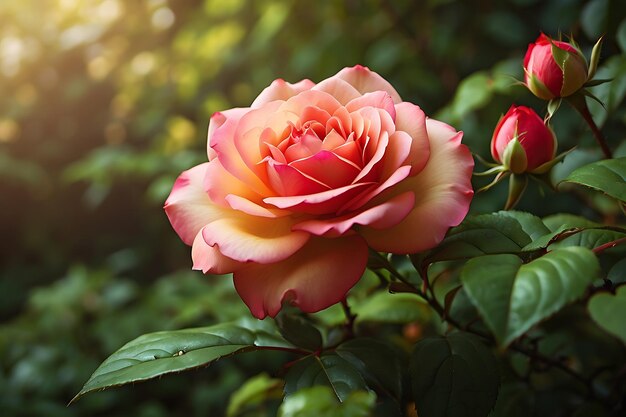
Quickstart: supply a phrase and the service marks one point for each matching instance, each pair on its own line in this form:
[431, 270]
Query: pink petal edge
[314, 278]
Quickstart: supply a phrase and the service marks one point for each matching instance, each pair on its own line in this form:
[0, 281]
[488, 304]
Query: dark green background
[104, 103]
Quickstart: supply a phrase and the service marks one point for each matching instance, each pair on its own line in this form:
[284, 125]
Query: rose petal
[341, 121]
[218, 120]
[367, 196]
[224, 144]
[443, 193]
[412, 120]
[209, 259]
[341, 90]
[368, 173]
[366, 81]
[333, 140]
[252, 135]
[309, 144]
[314, 278]
[257, 239]
[377, 99]
[397, 153]
[219, 183]
[324, 202]
[381, 216]
[314, 114]
[349, 151]
[188, 206]
[237, 202]
[281, 90]
[327, 168]
[288, 181]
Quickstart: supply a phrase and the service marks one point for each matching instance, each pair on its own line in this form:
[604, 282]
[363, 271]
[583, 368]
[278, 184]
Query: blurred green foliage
[103, 103]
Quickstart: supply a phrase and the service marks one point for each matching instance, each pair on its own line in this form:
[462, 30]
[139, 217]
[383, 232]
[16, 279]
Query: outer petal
[223, 142]
[219, 183]
[443, 193]
[366, 81]
[377, 99]
[314, 278]
[340, 89]
[256, 239]
[506, 129]
[281, 90]
[217, 120]
[412, 120]
[209, 259]
[188, 206]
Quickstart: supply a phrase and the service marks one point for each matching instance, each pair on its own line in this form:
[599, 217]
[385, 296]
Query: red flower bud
[522, 141]
[554, 68]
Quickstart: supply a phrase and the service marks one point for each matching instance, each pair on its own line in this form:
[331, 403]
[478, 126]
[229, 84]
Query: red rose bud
[521, 141]
[554, 68]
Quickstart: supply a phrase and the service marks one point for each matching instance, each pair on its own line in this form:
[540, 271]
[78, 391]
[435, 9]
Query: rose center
[301, 143]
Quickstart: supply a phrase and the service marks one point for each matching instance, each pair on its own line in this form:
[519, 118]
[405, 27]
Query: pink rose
[554, 68]
[522, 141]
[302, 182]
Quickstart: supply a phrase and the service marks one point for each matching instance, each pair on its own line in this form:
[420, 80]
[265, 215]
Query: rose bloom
[300, 184]
[554, 68]
[536, 139]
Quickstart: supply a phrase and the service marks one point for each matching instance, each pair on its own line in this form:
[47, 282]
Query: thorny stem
[532, 353]
[609, 245]
[581, 106]
[350, 317]
[396, 274]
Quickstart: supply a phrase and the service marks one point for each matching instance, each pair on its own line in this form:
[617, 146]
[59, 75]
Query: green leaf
[609, 310]
[376, 361]
[620, 35]
[590, 238]
[472, 93]
[594, 18]
[255, 391]
[532, 225]
[608, 176]
[383, 307]
[512, 297]
[570, 235]
[559, 221]
[617, 273]
[160, 353]
[453, 376]
[300, 332]
[321, 401]
[513, 400]
[500, 232]
[330, 370]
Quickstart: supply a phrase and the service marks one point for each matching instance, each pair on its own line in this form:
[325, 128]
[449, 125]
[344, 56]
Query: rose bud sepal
[595, 59]
[538, 88]
[547, 166]
[517, 186]
[574, 67]
[514, 158]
